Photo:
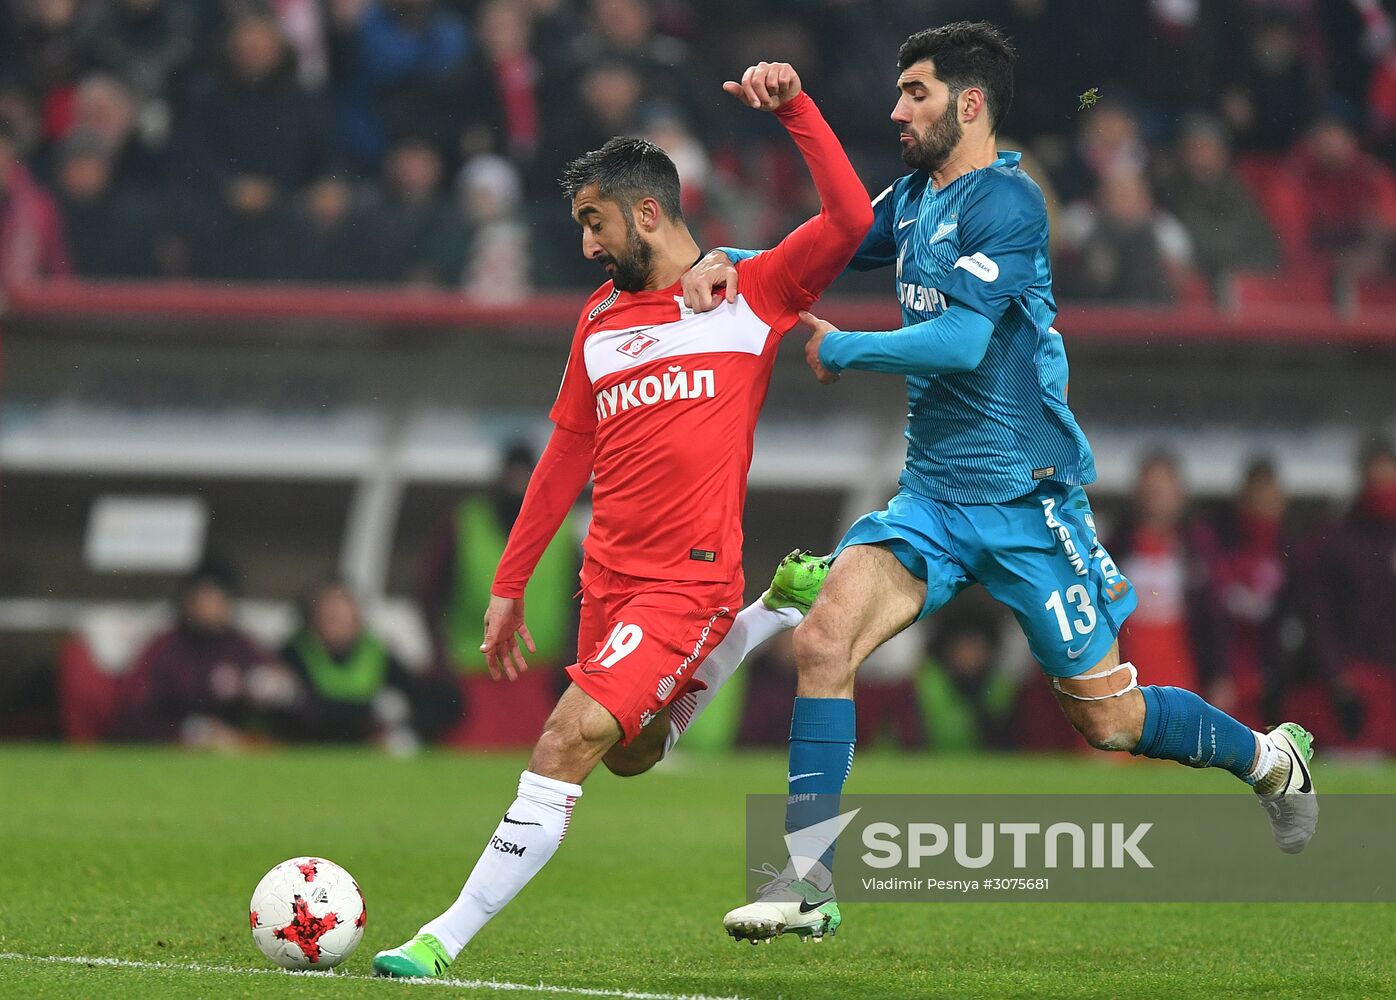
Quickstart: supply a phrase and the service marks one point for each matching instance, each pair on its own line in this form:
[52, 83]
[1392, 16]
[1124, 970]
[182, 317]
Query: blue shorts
[1037, 554]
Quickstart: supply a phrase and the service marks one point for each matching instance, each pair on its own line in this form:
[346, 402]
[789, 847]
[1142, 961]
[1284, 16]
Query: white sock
[1267, 775]
[753, 625]
[525, 839]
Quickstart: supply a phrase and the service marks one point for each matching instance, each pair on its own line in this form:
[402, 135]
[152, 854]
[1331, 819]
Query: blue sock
[1179, 725]
[822, 733]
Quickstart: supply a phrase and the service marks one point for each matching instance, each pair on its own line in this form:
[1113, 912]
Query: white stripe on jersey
[730, 328]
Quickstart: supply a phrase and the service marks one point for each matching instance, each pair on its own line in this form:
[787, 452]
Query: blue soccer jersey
[993, 433]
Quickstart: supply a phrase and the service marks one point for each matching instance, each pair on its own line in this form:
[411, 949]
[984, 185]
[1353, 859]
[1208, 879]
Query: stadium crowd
[1269, 615]
[1182, 143]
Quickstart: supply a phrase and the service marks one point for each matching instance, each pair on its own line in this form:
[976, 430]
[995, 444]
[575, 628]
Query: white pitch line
[468, 984]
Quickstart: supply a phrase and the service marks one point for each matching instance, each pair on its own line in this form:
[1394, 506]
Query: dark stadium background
[273, 257]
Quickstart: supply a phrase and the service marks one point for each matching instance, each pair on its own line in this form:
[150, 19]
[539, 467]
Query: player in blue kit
[992, 488]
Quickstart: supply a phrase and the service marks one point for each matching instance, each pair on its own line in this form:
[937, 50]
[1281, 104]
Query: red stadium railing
[1277, 322]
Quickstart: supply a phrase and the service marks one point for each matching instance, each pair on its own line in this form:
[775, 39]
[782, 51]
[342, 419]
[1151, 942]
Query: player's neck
[967, 156]
[675, 252]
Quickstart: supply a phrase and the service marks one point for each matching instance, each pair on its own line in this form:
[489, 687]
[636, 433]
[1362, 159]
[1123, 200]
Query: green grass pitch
[149, 857]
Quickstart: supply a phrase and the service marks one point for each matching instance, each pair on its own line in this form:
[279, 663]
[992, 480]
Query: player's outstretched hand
[702, 280]
[504, 622]
[766, 85]
[818, 328]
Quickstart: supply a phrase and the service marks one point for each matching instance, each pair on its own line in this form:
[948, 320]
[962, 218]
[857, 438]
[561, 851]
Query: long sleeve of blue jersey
[955, 341]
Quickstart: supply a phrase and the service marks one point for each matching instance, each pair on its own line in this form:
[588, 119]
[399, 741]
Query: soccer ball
[307, 913]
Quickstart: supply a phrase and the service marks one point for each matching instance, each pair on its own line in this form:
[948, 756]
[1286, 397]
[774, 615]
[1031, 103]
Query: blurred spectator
[205, 682]
[253, 137]
[104, 107]
[110, 227]
[1248, 574]
[1108, 144]
[482, 247]
[508, 100]
[1351, 594]
[606, 103]
[146, 43]
[352, 688]
[1349, 198]
[1274, 89]
[303, 24]
[17, 111]
[666, 129]
[609, 96]
[1165, 553]
[412, 210]
[965, 696]
[400, 67]
[334, 235]
[31, 231]
[1225, 226]
[1121, 247]
[626, 31]
[454, 591]
[46, 59]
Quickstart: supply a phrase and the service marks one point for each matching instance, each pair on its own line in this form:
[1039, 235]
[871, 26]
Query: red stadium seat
[1282, 201]
[88, 696]
[1376, 293]
[1250, 290]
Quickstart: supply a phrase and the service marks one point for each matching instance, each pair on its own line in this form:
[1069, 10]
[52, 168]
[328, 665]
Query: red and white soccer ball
[307, 913]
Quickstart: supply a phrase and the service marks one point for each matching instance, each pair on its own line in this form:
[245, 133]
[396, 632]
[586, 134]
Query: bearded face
[630, 268]
[929, 148]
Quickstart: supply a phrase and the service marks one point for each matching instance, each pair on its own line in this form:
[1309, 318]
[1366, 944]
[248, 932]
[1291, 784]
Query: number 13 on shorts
[1084, 618]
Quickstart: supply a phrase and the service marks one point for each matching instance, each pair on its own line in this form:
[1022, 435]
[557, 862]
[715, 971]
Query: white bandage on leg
[1098, 681]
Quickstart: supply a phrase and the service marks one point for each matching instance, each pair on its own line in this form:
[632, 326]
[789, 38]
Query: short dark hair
[624, 171]
[967, 54]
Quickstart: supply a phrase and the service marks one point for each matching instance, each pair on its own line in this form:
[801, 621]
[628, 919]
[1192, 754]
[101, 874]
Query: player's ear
[973, 104]
[648, 214]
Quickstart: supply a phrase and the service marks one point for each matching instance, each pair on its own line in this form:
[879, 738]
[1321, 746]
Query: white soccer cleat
[787, 906]
[1294, 808]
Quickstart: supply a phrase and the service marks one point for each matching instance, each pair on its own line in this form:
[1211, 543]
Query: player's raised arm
[793, 274]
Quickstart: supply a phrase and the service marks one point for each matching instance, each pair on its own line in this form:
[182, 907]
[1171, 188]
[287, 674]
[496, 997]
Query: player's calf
[1106, 725]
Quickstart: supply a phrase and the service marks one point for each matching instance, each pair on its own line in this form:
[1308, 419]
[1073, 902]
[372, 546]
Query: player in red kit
[658, 405]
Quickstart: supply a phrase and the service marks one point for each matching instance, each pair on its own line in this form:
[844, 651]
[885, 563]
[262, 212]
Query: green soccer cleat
[786, 905]
[421, 958]
[1293, 809]
[797, 581]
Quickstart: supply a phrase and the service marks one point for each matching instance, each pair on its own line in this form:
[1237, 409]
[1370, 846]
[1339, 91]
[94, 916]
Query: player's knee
[627, 762]
[823, 656]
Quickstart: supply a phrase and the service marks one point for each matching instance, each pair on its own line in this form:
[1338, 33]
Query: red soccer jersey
[668, 399]
[673, 401]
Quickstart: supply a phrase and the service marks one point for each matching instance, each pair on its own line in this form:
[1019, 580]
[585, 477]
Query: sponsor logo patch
[609, 301]
[702, 555]
[983, 268]
[637, 345]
